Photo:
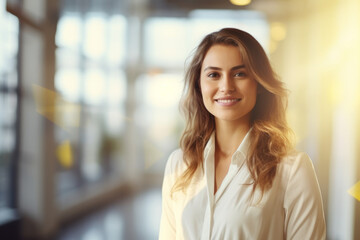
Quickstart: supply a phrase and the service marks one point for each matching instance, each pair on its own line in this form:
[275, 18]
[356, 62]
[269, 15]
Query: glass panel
[69, 31]
[91, 168]
[115, 116]
[116, 88]
[166, 42]
[2, 121]
[94, 86]
[67, 58]
[12, 46]
[9, 44]
[67, 152]
[8, 135]
[95, 36]
[8, 110]
[4, 178]
[68, 83]
[116, 51]
[157, 117]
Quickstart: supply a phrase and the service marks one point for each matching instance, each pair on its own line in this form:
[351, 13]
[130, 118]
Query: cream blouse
[291, 209]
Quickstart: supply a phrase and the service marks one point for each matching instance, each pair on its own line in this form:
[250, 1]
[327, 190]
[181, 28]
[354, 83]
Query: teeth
[227, 100]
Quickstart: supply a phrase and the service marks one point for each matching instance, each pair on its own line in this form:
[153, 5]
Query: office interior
[89, 106]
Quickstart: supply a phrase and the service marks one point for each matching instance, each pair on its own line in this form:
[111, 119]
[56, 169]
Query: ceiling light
[240, 2]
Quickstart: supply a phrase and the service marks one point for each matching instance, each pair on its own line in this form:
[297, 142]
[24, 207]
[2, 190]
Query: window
[91, 80]
[9, 45]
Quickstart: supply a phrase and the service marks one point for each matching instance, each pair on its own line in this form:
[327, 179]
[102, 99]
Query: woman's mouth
[227, 101]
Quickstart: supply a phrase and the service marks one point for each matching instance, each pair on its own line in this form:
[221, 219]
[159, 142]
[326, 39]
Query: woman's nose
[227, 84]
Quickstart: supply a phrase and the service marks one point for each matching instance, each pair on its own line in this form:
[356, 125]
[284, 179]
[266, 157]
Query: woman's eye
[213, 75]
[240, 74]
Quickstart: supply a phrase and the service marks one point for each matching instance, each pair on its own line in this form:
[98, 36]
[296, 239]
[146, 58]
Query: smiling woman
[237, 175]
[228, 92]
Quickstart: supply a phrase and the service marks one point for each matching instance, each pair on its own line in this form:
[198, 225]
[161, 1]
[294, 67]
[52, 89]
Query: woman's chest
[234, 209]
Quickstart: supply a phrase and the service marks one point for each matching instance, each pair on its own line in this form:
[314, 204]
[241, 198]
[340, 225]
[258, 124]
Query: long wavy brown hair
[270, 135]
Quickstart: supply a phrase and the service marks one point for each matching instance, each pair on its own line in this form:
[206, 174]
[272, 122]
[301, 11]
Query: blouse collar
[239, 155]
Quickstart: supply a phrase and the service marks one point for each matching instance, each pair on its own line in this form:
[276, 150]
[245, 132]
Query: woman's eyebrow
[237, 67]
[217, 68]
[211, 68]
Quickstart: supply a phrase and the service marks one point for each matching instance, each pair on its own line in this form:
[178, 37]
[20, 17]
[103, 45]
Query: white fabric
[291, 209]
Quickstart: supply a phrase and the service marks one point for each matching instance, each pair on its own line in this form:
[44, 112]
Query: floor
[137, 217]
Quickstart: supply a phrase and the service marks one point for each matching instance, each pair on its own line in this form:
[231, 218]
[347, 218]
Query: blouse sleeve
[304, 216]
[167, 223]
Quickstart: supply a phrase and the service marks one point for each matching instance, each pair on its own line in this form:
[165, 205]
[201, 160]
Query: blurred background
[89, 93]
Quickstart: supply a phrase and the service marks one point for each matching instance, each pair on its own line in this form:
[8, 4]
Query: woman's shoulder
[296, 159]
[175, 163]
[297, 164]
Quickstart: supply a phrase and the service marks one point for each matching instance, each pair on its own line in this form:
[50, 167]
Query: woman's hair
[270, 135]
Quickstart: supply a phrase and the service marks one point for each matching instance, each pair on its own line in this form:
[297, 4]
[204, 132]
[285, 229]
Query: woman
[236, 175]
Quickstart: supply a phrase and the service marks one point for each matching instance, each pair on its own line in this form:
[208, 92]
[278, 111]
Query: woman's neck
[229, 135]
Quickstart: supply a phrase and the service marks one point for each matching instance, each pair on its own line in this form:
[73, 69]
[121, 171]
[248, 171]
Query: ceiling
[273, 9]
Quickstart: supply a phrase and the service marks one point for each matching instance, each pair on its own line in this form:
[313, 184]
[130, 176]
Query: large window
[9, 32]
[90, 78]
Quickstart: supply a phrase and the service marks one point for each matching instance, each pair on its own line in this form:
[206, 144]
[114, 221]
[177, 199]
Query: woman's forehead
[220, 54]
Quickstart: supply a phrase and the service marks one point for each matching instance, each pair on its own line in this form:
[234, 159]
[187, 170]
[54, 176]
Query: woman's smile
[227, 101]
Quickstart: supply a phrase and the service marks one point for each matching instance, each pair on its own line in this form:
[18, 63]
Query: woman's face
[228, 91]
